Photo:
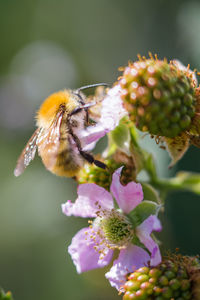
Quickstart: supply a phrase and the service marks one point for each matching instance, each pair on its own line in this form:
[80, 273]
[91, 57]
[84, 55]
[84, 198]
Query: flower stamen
[111, 229]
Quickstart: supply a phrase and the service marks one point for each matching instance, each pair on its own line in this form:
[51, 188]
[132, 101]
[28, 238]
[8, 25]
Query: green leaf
[150, 193]
[121, 137]
[142, 212]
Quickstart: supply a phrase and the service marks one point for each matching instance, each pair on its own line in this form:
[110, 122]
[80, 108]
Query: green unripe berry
[132, 285]
[155, 272]
[188, 99]
[143, 270]
[169, 274]
[167, 293]
[143, 278]
[174, 284]
[172, 279]
[134, 276]
[185, 284]
[185, 121]
[175, 116]
[163, 281]
[187, 295]
[140, 294]
[159, 95]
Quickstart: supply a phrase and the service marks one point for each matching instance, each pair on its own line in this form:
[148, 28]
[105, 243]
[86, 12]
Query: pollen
[111, 230]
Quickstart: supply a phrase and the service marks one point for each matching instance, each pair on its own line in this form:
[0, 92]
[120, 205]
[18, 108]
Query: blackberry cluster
[170, 280]
[159, 96]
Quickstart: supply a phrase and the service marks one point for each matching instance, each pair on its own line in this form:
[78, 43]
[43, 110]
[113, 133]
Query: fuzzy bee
[59, 120]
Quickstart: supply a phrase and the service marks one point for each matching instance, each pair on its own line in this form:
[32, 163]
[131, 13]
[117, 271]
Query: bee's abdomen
[68, 160]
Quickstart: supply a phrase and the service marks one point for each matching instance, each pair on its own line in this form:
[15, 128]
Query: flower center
[113, 229]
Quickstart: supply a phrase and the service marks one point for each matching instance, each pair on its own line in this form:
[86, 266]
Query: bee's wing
[48, 142]
[27, 154]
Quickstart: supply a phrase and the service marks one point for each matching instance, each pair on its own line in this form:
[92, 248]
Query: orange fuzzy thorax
[50, 107]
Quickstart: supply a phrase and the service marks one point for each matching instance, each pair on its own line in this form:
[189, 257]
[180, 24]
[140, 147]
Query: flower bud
[5, 296]
[177, 277]
[103, 177]
[159, 96]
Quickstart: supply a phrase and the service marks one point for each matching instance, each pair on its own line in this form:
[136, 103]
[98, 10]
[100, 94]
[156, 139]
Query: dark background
[46, 45]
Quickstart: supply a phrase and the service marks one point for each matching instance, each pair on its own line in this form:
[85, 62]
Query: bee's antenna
[91, 86]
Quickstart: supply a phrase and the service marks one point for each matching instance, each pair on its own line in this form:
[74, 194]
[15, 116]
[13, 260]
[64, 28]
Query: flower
[111, 112]
[112, 228]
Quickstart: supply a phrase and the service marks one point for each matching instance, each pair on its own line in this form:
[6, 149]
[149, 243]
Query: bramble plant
[163, 99]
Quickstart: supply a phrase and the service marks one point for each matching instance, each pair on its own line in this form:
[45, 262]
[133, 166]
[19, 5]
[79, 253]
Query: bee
[61, 116]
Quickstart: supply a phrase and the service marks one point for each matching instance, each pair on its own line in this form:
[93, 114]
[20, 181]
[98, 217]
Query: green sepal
[111, 149]
[120, 137]
[142, 211]
[177, 147]
[5, 296]
[149, 166]
[136, 151]
[135, 241]
[134, 135]
[150, 193]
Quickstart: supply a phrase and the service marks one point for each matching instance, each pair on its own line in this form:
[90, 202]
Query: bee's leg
[87, 156]
[79, 108]
[87, 116]
[91, 159]
[84, 106]
[76, 111]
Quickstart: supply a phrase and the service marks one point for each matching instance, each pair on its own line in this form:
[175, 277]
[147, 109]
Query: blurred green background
[46, 45]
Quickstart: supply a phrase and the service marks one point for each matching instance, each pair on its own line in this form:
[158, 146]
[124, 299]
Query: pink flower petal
[143, 231]
[90, 197]
[83, 254]
[91, 135]
[112, 109]
[130, 259]
[128, 196]
[111, 112]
